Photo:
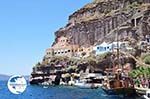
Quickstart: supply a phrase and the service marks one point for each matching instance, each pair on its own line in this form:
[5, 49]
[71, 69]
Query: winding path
[138, 61]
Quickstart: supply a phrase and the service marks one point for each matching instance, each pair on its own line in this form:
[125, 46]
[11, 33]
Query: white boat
[91, 80]
[147, 95]
[83, 84]
[141, 91]
[45, 86]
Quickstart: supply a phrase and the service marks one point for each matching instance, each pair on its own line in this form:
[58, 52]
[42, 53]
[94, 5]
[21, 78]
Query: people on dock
[142, 82]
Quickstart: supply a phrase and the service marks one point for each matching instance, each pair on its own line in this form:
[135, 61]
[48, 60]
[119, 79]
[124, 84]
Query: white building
[102, 48]
[121, 45]
[110, 47]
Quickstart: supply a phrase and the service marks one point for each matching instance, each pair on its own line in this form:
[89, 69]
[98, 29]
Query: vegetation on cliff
[142, 70]
[93, 63]
[146, 58]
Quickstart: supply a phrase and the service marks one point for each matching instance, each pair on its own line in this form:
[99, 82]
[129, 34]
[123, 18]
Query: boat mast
[118, 62]
[118, 52]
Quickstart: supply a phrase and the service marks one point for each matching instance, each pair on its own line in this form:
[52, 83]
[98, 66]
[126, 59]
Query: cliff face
[102, 20]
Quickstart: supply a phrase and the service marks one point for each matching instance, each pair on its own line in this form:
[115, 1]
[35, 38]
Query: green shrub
[147, 59]
[141, 71]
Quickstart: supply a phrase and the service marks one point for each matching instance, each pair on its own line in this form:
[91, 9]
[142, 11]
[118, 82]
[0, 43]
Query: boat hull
[141, 91]
[120, 91]
[85, 86]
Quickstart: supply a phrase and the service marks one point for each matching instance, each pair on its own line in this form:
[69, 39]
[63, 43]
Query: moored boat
[141, 91]
[91, 80]
[83, 84]
[120, 91]
[119, 86]
[147, 95]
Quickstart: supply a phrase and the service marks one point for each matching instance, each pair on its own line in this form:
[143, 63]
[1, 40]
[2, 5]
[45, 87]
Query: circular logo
[17, 84]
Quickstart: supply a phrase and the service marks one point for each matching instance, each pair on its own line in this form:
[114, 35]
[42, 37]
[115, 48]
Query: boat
[45, 86]
[95, 78]
[147, 95]
[141, 91]
[121, 83]
[84, 85]
[119, 86]
[91, 80]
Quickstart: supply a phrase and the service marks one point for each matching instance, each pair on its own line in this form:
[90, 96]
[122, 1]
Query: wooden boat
[119, 86]
[120, 91]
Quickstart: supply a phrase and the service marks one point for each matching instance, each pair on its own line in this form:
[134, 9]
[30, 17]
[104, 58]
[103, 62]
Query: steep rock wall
[101, 21]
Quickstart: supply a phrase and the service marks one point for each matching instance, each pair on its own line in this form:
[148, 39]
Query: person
[143, 82]
[137, 82]
[106, 83]
[146, 83]
[149, 83]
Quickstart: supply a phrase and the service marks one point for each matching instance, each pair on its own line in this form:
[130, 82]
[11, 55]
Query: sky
[27, 28]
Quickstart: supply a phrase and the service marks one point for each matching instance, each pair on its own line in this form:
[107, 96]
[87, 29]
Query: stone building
[62, 48]
[84, 51]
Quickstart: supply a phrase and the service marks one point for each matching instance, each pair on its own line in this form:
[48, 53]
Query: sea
[56, 92]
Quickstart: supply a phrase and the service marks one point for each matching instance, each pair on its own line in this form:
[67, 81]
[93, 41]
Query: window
[65, 51]
[81, 50]
[101, 48]
[55, 53]
[62, 52]
[58, 52]
[107, 47]
[97, 47]
[68, 50]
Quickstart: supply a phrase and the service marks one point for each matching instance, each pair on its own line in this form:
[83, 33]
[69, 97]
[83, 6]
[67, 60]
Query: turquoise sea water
[57, 92]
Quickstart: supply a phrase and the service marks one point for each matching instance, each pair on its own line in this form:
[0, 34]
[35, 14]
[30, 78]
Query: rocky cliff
[102, 20]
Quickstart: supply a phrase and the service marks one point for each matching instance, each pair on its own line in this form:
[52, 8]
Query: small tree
[147, 59]
[141, 71]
